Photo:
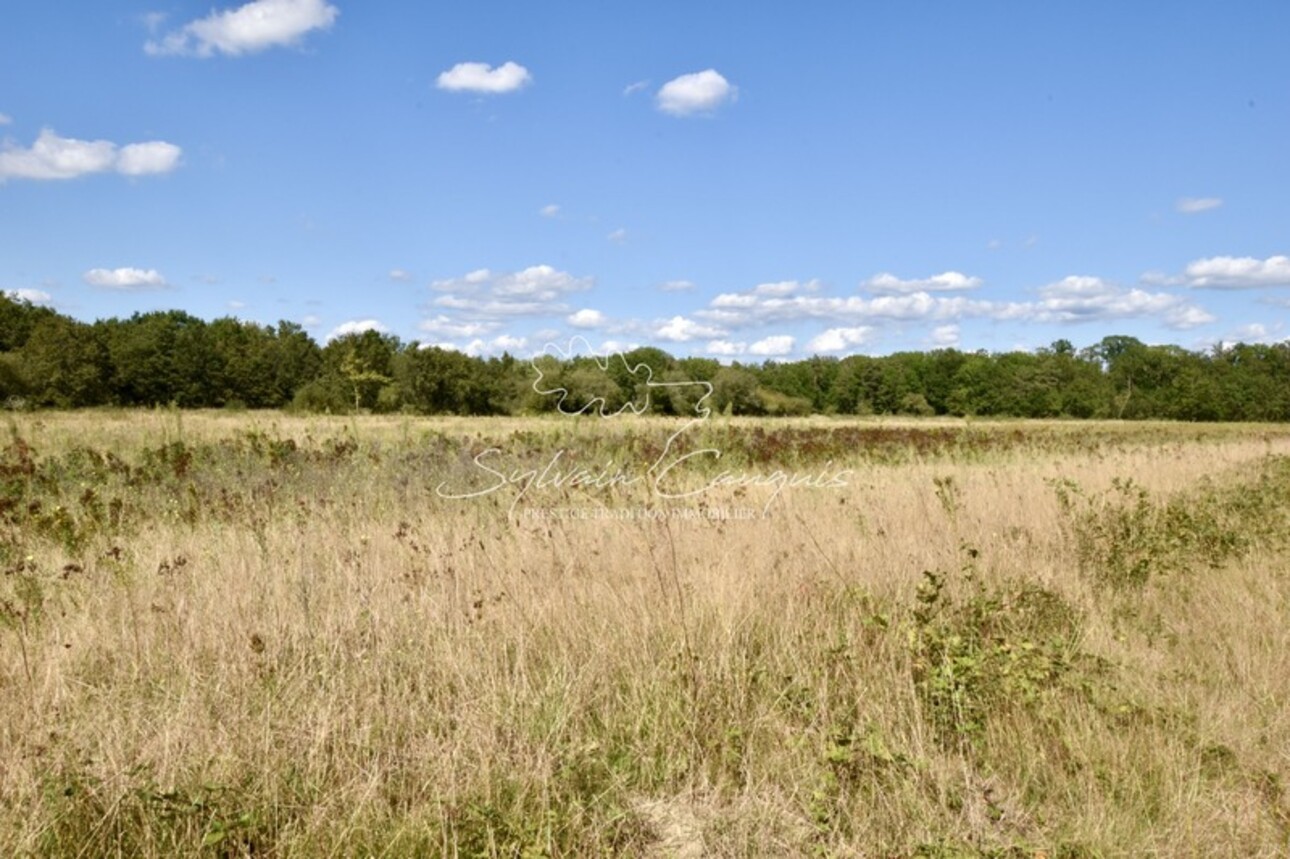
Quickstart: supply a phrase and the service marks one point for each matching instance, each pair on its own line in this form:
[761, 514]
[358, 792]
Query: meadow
[255, 634]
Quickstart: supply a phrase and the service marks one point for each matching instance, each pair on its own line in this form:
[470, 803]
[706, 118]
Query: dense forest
[48, 359]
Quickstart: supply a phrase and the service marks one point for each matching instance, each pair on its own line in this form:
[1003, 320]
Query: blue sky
[730, 179]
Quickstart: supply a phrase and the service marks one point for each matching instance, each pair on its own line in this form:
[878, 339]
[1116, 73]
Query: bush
[916, 404]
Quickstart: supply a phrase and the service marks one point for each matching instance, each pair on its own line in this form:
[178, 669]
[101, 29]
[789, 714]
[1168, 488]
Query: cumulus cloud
[618, 236]
[586, 318]
[1073, 299]
[677, 286]
[840, 339]
[785, 287]
[483, 78]
[1195, 205]
[1238, 272]
[949, 281]
[356, 326]
[1257, 332]
[446, 326]
[778, 344]
[5, 119]
[945, 336]
[400, 275]
[535, 288]
[311, 320]
[726, 348]
[480, 347]
[1082, 299]
[125, 278]
[748, 308]
[679, 329]
[35, 296]
[248, 29]
[633, 88]
[55, 157]
[144, 159]
[476, 304]
[550, 210]
[610, 347]
[698, 93]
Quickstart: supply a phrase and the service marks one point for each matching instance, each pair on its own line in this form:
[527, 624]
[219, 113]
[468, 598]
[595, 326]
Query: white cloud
[611, 347]
[5, 119]
[476, 303]
[677, 286]
[586, 318]
[236, 305]
[125, 278]
[726, 348]
[945, 336]
[550, 210]
[785, 287]
[1188, 317]
[35, 296]
[1257, 332]
[735, 300]
[532, 286]
[400, 275]
[446, 326]
[994, 244]
[1073, 299]
[145, 159]
[492, 308]
[249, 28]
[1077, 286]
[747, 308]
[483, 78]
[311, 320]
[54, 157]
[779, 344]
[497, 345]
[633, 88]
[1194, 205]
[505, 341]
[356, 326]
[538, 281]
[700, 92]
[1238, 272]
[839, 339]
[949, 281]
[618, 236]
[1082, 299]
[678, 329]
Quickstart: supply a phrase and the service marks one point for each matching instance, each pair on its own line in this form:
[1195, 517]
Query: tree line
[48, 359]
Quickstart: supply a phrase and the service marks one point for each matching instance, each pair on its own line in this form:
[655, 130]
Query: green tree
[160, 357]
[18, 317]
[735, 391]
[66, 363]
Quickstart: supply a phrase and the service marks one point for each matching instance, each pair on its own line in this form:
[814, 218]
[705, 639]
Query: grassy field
[260, 635]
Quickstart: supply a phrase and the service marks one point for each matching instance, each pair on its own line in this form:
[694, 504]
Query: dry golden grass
[311, 653]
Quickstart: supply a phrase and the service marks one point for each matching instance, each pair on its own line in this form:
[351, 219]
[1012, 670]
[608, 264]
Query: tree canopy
[48, 359]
